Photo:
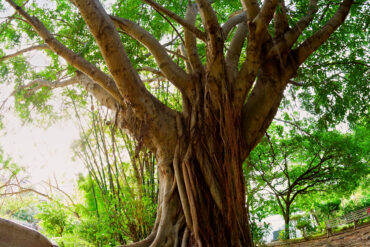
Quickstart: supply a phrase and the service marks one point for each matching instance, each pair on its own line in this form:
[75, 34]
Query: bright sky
[45, 153]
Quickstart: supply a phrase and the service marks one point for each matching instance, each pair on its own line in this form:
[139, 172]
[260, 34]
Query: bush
[305, 226]
[259, 231]
[55, 219]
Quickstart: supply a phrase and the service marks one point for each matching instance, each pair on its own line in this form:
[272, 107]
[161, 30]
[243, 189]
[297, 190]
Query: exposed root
[181, 188]
[178, 228]
[185, 238]
[145, 242]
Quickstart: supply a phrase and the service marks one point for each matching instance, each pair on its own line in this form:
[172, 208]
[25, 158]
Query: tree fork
[200, 150]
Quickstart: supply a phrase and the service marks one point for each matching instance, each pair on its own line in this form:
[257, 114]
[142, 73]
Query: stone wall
[349, 238]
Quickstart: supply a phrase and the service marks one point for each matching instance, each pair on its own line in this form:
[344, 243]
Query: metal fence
[353, 216]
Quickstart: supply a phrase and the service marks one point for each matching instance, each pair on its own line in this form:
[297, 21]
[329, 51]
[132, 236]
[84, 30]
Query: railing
[348, 218]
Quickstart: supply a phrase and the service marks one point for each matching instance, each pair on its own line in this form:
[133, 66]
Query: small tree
[292, 164]
[56, 220]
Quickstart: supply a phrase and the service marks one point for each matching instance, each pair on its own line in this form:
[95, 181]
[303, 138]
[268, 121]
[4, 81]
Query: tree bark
[202, 191]
[225, 112]
[287, 222]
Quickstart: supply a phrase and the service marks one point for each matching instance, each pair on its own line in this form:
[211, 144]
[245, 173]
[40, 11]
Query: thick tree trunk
[202, 199]
[193, 210]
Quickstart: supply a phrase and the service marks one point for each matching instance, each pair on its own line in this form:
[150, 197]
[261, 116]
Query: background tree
[292, 164]
[231, 84]
[55, 219]
[256, 204]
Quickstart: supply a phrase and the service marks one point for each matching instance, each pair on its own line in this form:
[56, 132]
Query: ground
[348, 238]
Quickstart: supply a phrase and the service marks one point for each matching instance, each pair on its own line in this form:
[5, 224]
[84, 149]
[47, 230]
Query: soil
[347, 238]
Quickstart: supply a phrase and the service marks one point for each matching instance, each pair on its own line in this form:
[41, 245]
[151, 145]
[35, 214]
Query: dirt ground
[350, 238]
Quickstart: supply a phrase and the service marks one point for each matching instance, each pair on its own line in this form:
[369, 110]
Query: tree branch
[20, 52]
[215, 67]
[10, 18]
[61, 191]
[257, 35]
[280, 19]
[190, 40]
[72, 58]
[295, 83]
[235, 49]
[251, 7]
[126, 78]
[92, 87]
[150, 69]
[158, 78]
[45, 83]
[302, 191]
[301, 53]
[308, 171]
[22, 190]
[291, 36]
[232, 22]
[210, 21]
[261, 107]
[264, 17]
[198, 33]
[169, 69]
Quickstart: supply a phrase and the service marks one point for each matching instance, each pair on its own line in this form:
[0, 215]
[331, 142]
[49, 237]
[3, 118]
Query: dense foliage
[194, 98]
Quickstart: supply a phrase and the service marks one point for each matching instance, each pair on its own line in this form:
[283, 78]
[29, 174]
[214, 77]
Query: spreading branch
[150, 69]
[22, 190]
[232, 22]
[291, 36]
[257, 34]
[128, 82]
[169, 69]
[198, 33]
[251, 7]
[260, 108]
[72, 58]
[28, 49]
[281, 24]
[215, 67]
[301, 53]
[159, 78]
[10, 18]
[235, 49]
[190, 39]
[210, 22]
[140, 108]
[35, 85]
[265, 15]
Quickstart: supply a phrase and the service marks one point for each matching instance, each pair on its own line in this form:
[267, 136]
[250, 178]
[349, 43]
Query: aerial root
[185, 238]
[145, 242]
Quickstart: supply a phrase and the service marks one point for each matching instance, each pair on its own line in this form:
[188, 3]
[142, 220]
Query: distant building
[275, 235]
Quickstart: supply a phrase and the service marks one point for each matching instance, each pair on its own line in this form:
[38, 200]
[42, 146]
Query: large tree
[231, 82]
